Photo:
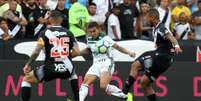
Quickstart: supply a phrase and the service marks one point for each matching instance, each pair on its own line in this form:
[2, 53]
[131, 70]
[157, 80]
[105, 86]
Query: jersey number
[60, 47]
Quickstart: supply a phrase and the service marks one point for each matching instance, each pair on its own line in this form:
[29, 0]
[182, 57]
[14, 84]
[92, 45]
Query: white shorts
[104, 65]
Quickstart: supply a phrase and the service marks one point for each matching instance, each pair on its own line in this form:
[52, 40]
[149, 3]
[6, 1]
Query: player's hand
[26, 69]
[132, 54]
[178, 50]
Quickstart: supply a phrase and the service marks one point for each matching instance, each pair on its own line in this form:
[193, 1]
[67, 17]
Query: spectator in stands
[40, 15]
[52, 4]
[191, 36]
[182, 28]
[180, 7]
[28, 8]
[165, 13]
[61, 7]
[16, 21]
[5, 7]
[78, 19]
[114, 30]
[5, 33]
[68, 4]
[127, 17]
[192, 4]
[102, 7]
[94, 17]
[143, 28]
[196, 21]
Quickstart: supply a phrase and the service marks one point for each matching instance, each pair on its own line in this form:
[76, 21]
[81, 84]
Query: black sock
[128, 84]
[152, 97]
[75, 89]
[26, 93]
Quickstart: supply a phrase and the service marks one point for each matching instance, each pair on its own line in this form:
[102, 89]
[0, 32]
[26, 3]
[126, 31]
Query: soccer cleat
[129, 97]
[68, 99]
[119, 94]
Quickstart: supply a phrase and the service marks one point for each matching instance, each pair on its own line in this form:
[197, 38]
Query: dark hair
[92, 24]
[199, 1]
[92, 4]
[153, 13]
[55, 14]
[143, 2]
[2, 19]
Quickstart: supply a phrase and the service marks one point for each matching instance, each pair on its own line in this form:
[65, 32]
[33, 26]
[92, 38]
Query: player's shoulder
[161, 27]
[42, 33]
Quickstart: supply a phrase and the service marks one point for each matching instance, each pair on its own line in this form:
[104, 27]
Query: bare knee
[30, 79]
[135, 67]
[103, 86]
[143, 84]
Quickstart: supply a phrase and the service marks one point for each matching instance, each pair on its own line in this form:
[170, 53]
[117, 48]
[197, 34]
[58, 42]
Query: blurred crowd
[120, 19]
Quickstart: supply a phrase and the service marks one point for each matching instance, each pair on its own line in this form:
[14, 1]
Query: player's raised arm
[123, 50]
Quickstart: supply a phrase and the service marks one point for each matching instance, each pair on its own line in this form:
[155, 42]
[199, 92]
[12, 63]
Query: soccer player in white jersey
[103, 64]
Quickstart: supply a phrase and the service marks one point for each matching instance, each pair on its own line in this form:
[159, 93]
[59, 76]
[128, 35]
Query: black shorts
[155, 63]
[47, 73]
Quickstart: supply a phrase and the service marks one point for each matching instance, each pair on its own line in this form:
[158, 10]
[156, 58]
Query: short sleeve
[109, 40]
[163, 31]
[111, 21]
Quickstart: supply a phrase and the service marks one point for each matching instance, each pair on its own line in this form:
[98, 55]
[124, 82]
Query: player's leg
[135, 68]
[160, 64]
[26, 85]
[147, 87]
[144, 61]
[83, 92]
[105, 79]
[74, 85]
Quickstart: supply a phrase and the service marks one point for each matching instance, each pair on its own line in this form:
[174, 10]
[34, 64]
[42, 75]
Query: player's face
[94, 32]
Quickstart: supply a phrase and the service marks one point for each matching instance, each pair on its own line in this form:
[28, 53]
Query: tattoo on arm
[35, 54]
[172, 39]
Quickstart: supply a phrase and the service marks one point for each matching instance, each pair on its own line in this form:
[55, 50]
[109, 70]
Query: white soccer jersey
[101, 62]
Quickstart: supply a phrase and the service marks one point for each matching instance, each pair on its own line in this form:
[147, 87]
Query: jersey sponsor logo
[60, 68]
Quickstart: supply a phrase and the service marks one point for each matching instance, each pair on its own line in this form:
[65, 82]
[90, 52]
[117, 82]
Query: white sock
[83, 92]
[115, 91]
[25, 84]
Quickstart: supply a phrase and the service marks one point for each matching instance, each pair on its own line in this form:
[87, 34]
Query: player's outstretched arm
[34, 55]
[123, 50]
[174, 42]
[85, 51]
[75, 51]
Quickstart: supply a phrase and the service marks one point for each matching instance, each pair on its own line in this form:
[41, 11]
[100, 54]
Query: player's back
[163, 44]
[58, 42]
